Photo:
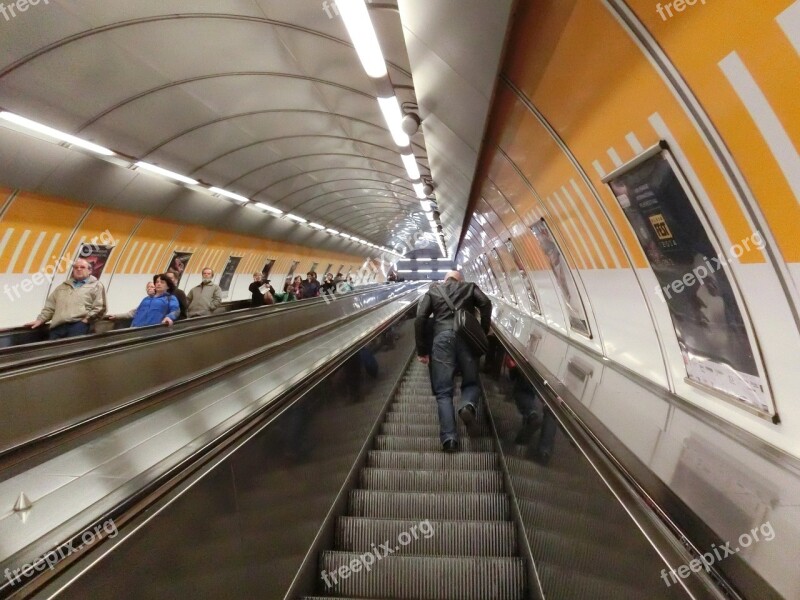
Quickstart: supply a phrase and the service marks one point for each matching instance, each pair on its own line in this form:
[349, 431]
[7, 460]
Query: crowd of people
[80, 301]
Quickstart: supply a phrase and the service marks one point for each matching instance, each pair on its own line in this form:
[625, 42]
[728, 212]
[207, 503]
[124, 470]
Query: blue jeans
[448, 353]
[66, 330]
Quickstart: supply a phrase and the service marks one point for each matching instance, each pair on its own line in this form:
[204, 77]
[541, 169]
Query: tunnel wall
[588, 86]
[42, 234]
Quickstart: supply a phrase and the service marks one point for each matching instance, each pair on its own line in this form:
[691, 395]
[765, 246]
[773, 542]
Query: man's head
[208, 274]
[81, 269]
[257, 276]
[454, 275]
[172, 277]
[311, 275]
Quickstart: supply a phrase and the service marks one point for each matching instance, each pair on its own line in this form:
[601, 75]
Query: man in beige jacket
[74, 305]
[205, 298]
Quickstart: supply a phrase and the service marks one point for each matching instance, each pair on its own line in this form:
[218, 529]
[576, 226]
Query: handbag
[467, 327]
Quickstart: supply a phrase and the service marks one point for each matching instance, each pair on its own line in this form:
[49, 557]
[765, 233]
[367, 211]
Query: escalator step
[443, 538]
[414, 577]
[404, 480]
[423, 430]
[416, 408]
[415, 418]
[432, 505]
[423, 444]
[385, 459]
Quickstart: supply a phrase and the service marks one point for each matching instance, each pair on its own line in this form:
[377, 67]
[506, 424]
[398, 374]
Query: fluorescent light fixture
[424, 259]
[346, 235]
[54, 133]
[268, 208]
[426, 205]
[332, 231]
[356, 19]
[412, 168]
[419, 191]
[424, 271]
[228, 194]
[296, 218]
[166, 172]
[317, 226]
[394, 117]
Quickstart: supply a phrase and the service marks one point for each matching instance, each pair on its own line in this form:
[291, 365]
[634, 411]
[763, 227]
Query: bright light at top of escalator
[362, 33]
[54, 133]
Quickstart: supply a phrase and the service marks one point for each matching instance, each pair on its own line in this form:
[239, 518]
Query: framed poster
[292, 269]
[565, 280]
[96, 256]
[523, 275]
[227, 274]
[490, 276]
[267, 268]
[178, 264]
[715, 339]
[497, 267]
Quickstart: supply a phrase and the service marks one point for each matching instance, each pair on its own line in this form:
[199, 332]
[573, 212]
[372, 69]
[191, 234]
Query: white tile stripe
[18, 250]
[155, 266]
[612, 154]
[32, 254]
[147, 256]
[599, 169]
[49, 254]
[130, 254]
[634, 143]
[789, 21]
[575, 253]
[135, 265]
[578, 233]
[765, 118]
[586, 228]
[606, 241]
[6, 236]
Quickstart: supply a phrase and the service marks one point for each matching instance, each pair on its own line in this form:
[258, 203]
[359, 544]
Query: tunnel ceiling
[263, 98]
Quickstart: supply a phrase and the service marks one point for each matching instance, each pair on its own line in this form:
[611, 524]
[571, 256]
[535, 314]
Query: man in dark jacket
[180, 295]
[450, 352]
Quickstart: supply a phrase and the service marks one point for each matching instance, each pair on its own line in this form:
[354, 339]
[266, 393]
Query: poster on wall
[267, 268]
[523, 275]
[226, 278]
[178, 264]
[693, 281]
[97, 257]
[564, 278]
[505, 281]
[292, 269]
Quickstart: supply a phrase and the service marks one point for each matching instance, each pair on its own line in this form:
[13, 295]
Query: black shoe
[467, 415]
[450, 446]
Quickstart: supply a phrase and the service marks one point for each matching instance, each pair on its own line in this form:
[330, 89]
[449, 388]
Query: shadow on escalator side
[243, 529]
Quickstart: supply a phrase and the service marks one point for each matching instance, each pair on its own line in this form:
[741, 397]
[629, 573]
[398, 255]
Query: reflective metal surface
[243, 529]
[41, 400]
[717, 483]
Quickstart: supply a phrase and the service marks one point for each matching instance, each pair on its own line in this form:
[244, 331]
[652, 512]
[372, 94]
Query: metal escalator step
[418, 418]
[390, 442]
[432, 505]
[414, 577]
[404, 480]
[443, 538]
[386, 459]
[424, 430]
[560, 582]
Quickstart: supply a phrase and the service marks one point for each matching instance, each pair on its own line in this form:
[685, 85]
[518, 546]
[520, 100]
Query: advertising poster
[564, 278]
[490, 276]
[226, 278]
[496, 265]
[178, 264]
[267, 268]
[97, 256]
[292, 269]
[693, 280]
[523, 275]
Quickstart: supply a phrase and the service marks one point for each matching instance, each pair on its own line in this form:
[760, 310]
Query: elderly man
[74, 305]
[206, 297]
[450, 352]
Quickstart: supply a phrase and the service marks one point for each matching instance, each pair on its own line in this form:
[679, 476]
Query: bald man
[74, 305]
[449, 352]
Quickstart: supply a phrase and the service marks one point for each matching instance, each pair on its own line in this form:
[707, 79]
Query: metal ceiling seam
[185, 16]
[349, 208]
[410, 198]
[331, 181]
[180, 82]
[326, 169]
[315, 154]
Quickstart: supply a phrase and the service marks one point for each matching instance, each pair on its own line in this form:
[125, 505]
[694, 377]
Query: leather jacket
[463, 295]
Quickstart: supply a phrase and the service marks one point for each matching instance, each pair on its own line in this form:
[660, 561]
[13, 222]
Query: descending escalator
[408, 485]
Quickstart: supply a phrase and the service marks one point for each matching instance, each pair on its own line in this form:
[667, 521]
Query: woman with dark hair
[162, 308]
[287, 295]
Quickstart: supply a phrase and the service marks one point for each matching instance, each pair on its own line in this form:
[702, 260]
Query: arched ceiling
[264, 98]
